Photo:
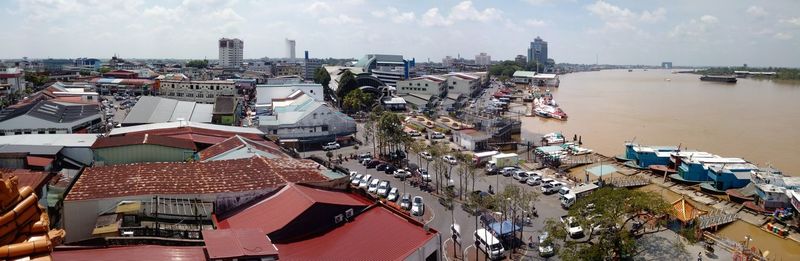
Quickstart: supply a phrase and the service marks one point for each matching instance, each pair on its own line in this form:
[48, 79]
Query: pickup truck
[331, 146]
[571, 225]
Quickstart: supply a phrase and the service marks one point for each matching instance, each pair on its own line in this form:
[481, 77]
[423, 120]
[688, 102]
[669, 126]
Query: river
[758, 120]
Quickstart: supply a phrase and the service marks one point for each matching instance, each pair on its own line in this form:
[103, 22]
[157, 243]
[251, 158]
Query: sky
[685, 32]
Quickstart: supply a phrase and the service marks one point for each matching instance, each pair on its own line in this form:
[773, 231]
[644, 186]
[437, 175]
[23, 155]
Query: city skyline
[757, 33]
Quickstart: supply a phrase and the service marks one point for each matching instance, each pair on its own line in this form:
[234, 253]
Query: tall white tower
[231, 52]
[290, 44]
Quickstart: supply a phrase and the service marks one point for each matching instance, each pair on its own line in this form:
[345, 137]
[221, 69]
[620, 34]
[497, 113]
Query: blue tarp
[504, 228]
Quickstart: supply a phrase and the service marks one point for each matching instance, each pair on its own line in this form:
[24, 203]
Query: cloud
[616, 18]
[318, 8]
[341, 19]
[756, 11]
[792, 21]
[534, 23]
[783, 36]
[395, 15]
[161, 13]
[695, 27]
[463, 11]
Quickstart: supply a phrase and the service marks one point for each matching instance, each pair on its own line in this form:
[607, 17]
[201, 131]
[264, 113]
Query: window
[17, 133]
[417, 84]
[454, 83]
[324, 127]
[274, 131]
[52, 132]
[426, 85]
[40, 132]
[27, 132]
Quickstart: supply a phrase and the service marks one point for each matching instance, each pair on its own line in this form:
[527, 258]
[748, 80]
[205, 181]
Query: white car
[520, 175]
[364, 181]
[414, 133]
[424, 174]
[417, 207]
[405, 201]
[534, 180]
[401, 173]
[392, 195]
[545, 249]
[573, 228]
[383, 189]
[450, 159]
[373, 186]
[354, 180]
[437, 135]
[508, 171]
[425, 155]
[331, 146]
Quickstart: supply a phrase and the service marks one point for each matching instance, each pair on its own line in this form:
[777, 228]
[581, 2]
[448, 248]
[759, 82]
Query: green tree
[347, 83]
[322, 77]
[607, 223]
[390, 127]
[356, 100]
[200, 64]
[103, 70]
[329, 154]
[517, 202]
[37, 79]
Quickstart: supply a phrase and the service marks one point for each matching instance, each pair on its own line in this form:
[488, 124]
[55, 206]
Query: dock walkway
[714, 219]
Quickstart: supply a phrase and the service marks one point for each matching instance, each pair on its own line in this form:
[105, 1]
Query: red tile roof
[376, 234]
[117, 141]
[165, 178]
[141, 252]
[292, 201]
[238, 243]
[237, 142]
[27, 178]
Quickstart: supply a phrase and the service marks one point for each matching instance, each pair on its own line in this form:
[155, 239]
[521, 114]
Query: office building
[302, 118]
[538, 53]
[12, 80]
[520, 59]
[483, 59]
[231, 52]
[388, 68]
[197, 91]
[290, 47]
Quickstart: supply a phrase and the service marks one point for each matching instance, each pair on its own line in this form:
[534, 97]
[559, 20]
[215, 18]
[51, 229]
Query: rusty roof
[238, 142]
[27, 178]
[141, 252]
[165, 178]
[117, 141]
[376, 234]
[238, 243]
[292, 200]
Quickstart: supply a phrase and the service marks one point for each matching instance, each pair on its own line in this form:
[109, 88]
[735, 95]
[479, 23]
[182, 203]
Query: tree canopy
[356, 100]
[200, 64]
[347, 83]
[608, 223]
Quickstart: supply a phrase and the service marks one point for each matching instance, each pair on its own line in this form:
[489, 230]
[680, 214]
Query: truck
[579, 191]
[481, 158]
[503, 160]
[571, 225]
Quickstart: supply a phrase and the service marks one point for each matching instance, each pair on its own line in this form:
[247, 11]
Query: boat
[554, 138]
[718, 78]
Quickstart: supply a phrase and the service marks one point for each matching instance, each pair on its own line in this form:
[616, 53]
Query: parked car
[405, 201]
[331, 146]
[437, 135]
[534, 180]
[423, 173]
[366, 155]
[374, 163]
[573, 228]
[493, 171]
[364, 181]
[389, 169]
[382, 166]
[545, 247]
[450, 159]
[392, 195]
[365, 161]
[356, 179]
[425, 155]
[383, 189]
[401, 174]
[417, 206]
[373, 186]
[414, 133]
[507, 171]
[521, 176]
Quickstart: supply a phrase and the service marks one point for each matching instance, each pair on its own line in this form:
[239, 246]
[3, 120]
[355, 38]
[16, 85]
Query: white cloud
[709, 19]
[160, 13]
[535, 23]
[756, 11]
[318, 8]
[783, 36]
[395, 15]
[695, 27]
[341, 19]
[792, 21]
[463, 11]
[616, 18]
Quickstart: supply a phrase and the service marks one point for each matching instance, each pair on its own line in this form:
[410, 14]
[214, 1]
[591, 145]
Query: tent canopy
[504, 228]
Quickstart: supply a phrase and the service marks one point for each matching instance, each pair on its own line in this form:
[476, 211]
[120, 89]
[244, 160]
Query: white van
[563, 190]
[489, 244]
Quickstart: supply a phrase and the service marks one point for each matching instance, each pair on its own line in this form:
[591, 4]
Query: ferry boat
[718, 78]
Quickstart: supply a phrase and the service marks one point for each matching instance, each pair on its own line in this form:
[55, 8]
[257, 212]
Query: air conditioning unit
[348, 213]
[338, 218]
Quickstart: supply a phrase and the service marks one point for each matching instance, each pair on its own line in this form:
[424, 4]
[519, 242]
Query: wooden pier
[631, 181]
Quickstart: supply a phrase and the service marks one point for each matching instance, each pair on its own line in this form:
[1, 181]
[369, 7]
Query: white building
[300, 117]
[12, 80]
[447, 61]
[196, 91]
[231, 52]
[290, 49]
[463, 83]
[426, 84]
[483, 59]
[265, 93]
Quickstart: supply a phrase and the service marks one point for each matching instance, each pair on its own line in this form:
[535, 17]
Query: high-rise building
[483, 59]
[231, 52]
[520, 59]
[538, 52]
[290, 44]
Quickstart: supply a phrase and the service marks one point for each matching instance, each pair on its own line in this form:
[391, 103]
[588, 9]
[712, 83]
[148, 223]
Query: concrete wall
[140, 153]
[432, 246]
[420, 86]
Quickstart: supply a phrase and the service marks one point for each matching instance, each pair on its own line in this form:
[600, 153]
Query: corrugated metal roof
[182, 125]
[150, 109]
[117, 141]
[30, 149]
[180, 178]
[238, 243]
[376, 234]
[240, 143]
[140, 252]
